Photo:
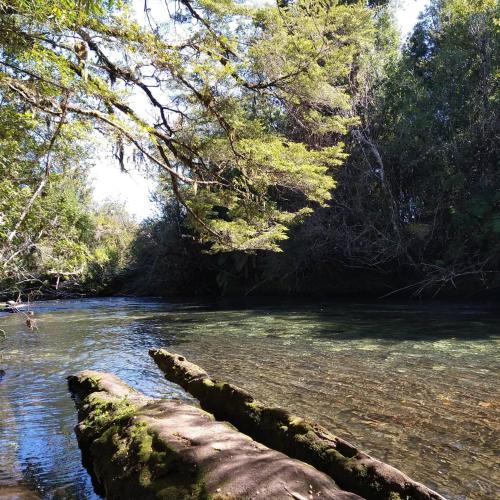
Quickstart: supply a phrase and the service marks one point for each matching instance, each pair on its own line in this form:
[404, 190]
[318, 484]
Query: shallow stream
[415, 386]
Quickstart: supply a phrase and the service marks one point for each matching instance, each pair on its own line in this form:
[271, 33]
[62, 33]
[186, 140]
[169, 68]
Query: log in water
[139, 447]
[349, 467]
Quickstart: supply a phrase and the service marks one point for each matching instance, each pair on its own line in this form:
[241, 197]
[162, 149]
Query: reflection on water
[414, 386]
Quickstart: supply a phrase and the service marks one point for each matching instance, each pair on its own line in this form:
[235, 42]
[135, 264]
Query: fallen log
[137, 447]
[299, 438]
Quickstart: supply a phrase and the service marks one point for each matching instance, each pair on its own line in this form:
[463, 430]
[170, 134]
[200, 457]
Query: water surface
[415, 386]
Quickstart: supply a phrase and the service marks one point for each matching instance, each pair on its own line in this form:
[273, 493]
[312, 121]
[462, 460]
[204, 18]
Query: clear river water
[416, 386]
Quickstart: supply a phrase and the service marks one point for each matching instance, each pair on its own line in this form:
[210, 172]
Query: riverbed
[416, 386]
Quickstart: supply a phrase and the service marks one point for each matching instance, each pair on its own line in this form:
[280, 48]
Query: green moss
[104, 412]
[145, 477]
[394, 496]
[141, 441]
[218, 386]
[94, 382]
[253, 413]
[254, 405]
[361, 471]
[132, 462]
[295, 421]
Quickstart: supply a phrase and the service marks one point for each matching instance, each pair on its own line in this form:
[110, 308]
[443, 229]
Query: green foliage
[165, 256]
[443, 104]
[50, 236]
[249, 106]
[251, 113]
[416, 205]
[113, 234]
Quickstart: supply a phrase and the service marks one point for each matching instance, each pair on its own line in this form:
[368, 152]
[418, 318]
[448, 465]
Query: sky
[133, 188]
[407, 12]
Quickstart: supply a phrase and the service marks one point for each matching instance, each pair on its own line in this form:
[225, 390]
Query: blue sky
[133, 188]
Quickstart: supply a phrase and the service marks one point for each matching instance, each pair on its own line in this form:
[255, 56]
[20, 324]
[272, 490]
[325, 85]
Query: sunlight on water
[416, 387]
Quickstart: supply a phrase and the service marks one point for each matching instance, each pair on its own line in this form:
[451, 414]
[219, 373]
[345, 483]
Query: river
[416, 386]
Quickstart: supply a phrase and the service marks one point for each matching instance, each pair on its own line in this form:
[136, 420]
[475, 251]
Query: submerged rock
[137, 447]
[17, 492]
[299, 438]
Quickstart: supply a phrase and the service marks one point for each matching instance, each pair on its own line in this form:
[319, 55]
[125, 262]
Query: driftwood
[137, 447]
[299, 438]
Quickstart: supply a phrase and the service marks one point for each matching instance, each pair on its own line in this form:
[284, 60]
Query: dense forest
[299, 147]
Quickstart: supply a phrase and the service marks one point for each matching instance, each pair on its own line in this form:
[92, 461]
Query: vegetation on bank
[297, 148]
[417, 205]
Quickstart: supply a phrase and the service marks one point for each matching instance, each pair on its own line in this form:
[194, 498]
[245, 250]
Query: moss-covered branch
[351, 468]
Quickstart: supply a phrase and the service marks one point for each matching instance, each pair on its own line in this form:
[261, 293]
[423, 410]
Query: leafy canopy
[242, 108]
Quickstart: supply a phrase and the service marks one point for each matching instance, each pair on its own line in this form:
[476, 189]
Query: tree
[229, 96]
[50, 236]
[417, 205]
[43, 223]
[416, 208]
[438, 130]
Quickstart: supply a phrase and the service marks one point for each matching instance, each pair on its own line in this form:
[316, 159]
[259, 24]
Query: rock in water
[17, 492]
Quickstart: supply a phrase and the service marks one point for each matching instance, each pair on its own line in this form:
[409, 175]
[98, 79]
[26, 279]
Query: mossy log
[299, 438]
[136, 447]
